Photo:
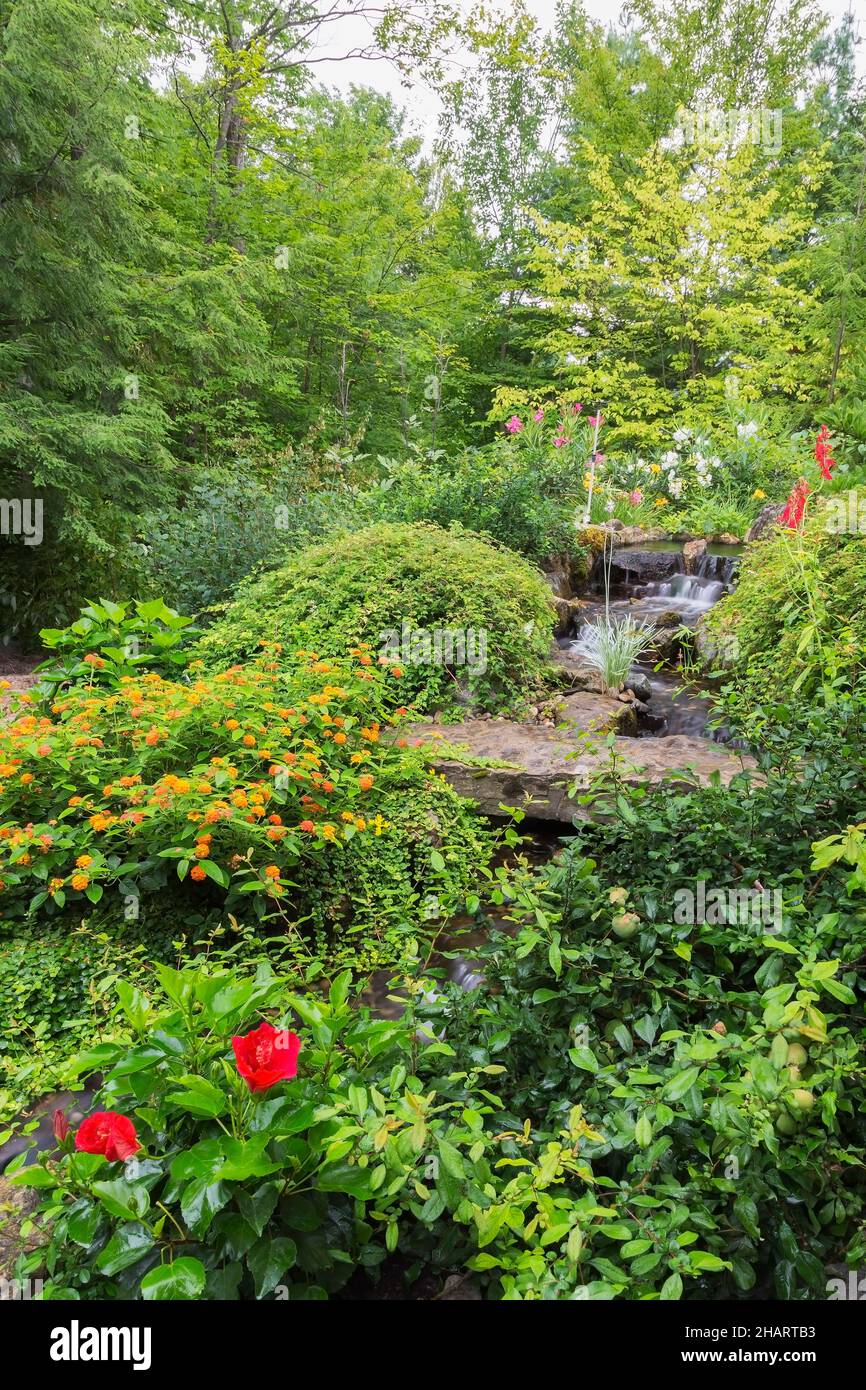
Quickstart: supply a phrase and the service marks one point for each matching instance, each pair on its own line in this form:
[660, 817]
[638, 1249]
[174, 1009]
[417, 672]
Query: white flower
[681, 436]
[610, 506]
[747, 430]
[670, 459]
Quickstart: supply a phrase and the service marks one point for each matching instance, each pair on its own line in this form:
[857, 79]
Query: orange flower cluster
[216, 774]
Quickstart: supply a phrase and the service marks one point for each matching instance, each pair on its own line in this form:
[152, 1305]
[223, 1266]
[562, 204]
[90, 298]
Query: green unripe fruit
[797, 1055]
[804, 1100]
[794, 1073]
[785, 1125]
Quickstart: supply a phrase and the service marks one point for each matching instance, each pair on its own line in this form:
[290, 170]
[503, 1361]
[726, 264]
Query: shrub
[522, 498]
[230, 1157]
[394, 587]
[796, 622]
[56, 990]
[199, 552]
[216, 1172]
[718, 1063]
[224, 784]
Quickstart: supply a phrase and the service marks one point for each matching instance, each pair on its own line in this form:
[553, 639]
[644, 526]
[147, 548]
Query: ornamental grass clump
[611, 646]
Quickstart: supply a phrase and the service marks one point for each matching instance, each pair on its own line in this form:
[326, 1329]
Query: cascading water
[650, 584]
[689, 595]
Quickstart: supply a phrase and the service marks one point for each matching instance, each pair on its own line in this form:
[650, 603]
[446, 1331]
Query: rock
[636, 535]
[557, 571]
[728, 538]
[17, 1207]
[693, 553]
[765, 522]
[719, 651]
[636, 566]
[666, 643]
[589, 711]
[563, 617]
[640, 684]
[542, 763]
[580, 674]
[569, 615]
[459, 1287]
[647, 721]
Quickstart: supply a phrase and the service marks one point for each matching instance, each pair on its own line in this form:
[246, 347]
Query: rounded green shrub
[466, 622]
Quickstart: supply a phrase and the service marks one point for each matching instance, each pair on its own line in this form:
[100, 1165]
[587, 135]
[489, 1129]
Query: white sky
[420, 101]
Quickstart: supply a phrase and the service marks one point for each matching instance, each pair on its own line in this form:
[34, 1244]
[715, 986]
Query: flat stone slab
[539, 764]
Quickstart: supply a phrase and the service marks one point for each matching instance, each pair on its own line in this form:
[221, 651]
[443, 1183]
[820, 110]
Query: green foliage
[71, 434]
[198, 553]
[717, 1056]
[56, 989]
[368, 585]
[108, 642]
[524, 499]
[397, 889]
[233, 1193]
[794, 625]
[236, 798]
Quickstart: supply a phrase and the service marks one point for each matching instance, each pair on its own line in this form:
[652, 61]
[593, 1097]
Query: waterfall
[692, 591]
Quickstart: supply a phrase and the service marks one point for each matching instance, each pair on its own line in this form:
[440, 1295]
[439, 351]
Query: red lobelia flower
[795, 508]
[824, 453]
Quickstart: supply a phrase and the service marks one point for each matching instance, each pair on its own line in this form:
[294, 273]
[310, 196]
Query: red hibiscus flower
[267, 1055]
[105, 1132]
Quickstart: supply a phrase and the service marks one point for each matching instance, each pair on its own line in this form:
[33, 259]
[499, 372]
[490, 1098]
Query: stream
[649, 583]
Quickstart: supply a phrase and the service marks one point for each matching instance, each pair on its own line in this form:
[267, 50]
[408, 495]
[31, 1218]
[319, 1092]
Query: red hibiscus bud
[61, 1126]
[267, 1055]
[105, 1132]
